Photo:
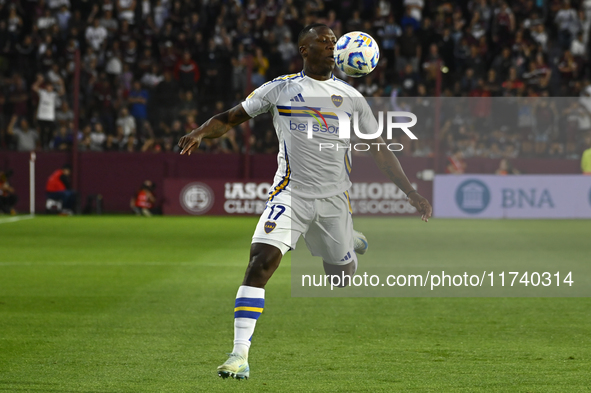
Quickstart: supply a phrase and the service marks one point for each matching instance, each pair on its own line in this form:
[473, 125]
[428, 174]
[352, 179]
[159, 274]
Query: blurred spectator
[166, 95]
[84, 140]
[538, 33]
[8, 197]
[63, 18]
[409, 19]
[18, 95]
[152, 78]
[25, 55]
[287, 49]
[160, 14]
[46, 109]
[169, 57]
[409, 50]
[96, 35]
[229, 143]
[355, 23]
[138, 98]
[126, 130]
[143, 204]
[503, 63]
[568, 24]
[409, 80]
[164, 138]
[369, 86]
[125, 80]
[56, 4]
[432, 64]
[126, 33]
[130, 53]
[126, 10]
[506, 168]
[414, 8]
[577, 47]
[512, 86]
[103, 99]
[26, 137]
[187, 106]
[186, 72]
[190, 124]
[457, 165]
[267, 144]
[389, 34]
[109, 23]
[55, 77]
[280, 29]
[260, 66]
[114, 63]
[97, 138]
[64, 115]
[170, 136]
[503, 24]
[568, 69]
[238, 75]
[146, 9]
[14, 24]
[146, 61]
[62, 139]
[59, 188]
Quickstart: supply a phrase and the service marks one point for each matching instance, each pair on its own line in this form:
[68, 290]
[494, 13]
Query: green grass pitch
[127, 304]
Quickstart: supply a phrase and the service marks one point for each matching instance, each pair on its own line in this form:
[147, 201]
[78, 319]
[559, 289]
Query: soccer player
[309, 194]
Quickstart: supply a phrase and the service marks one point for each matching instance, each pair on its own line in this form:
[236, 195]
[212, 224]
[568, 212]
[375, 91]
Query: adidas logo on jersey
[298, 98]
[347, 257]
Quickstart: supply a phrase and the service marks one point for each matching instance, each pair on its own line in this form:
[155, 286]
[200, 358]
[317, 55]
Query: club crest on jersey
[269, 226]
[336, 100]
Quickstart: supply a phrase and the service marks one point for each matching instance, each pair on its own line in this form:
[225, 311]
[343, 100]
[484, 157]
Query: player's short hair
[307, 29]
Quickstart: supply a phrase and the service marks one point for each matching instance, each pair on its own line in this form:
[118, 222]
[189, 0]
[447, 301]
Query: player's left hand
[422, 205]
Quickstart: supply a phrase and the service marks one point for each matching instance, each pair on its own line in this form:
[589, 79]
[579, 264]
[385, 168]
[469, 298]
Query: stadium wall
[117, 176]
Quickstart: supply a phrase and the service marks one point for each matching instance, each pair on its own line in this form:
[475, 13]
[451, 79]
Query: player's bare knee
[264, 260]
[261, 263]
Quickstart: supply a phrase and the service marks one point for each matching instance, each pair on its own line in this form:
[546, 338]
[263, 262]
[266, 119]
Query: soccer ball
[356, 54]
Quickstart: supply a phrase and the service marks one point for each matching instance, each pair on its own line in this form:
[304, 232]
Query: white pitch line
[14, 219]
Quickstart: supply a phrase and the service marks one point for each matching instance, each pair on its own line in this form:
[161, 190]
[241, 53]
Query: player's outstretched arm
[391, 167]
[215, 127]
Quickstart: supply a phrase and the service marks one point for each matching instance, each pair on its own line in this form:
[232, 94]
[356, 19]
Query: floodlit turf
[126, 304]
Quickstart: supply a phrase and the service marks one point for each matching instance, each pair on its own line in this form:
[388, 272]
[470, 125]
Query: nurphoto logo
[390, 118]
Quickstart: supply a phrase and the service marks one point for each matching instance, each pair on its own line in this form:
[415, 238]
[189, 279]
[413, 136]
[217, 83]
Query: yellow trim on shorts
[349, 202]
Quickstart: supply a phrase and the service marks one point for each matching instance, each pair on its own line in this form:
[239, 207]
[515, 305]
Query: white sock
[250, 302]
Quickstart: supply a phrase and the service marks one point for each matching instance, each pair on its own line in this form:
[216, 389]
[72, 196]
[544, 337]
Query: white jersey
[298, 102]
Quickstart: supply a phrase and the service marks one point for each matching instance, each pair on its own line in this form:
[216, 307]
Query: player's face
[318, 51]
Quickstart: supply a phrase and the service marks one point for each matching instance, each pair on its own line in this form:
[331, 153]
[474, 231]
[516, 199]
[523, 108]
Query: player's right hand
[190, 142]
[422, 205]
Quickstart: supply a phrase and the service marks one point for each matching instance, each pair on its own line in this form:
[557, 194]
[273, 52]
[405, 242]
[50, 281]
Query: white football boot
[236, 367]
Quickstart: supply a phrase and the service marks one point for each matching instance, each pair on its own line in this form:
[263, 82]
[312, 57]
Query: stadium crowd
[151, 70]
